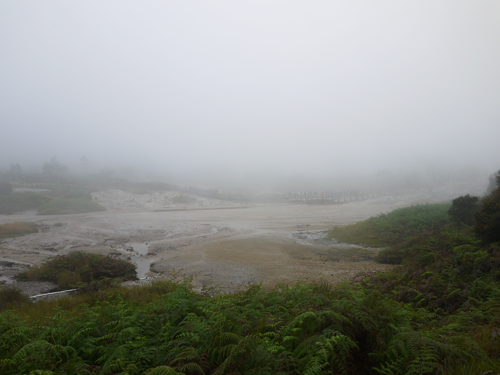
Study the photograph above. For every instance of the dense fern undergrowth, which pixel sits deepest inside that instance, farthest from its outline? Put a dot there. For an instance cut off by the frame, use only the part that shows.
(437, 313)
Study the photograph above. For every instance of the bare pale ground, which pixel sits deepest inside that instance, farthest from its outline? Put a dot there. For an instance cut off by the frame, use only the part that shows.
(219, 243)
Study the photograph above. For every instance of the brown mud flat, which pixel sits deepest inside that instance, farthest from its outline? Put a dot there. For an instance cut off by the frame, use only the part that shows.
(220, 244)
(231, 264)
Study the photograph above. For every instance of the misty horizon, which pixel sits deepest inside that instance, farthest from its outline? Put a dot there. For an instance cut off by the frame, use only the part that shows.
(228, 93)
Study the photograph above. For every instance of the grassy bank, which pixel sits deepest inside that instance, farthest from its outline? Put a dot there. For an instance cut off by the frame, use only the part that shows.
(394, 227)
(19, 202)
(69, 206)
(60, 199)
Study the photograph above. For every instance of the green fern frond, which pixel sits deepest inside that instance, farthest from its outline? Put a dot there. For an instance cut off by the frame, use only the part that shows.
(162, 370)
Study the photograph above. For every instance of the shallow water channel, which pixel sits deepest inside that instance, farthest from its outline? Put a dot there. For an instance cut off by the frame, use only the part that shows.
(138, 256)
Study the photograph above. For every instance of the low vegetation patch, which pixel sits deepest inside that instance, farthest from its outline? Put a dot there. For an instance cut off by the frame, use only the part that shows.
(166, 328)
(78, 267)
(69, 206)
(68, 191)
(394, 227)
(11, 297)
(17, 229)
(18, 202)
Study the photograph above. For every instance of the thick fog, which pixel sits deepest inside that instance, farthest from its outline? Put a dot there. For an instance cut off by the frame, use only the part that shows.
(235, 90)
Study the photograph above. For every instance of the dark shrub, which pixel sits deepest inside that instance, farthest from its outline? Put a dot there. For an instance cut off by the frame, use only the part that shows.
(390, 256)
(487, 218)
(73, 268)
(463, 208)
(10, 296)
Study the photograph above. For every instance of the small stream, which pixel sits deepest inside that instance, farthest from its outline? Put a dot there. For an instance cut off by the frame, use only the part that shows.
(140, 250)
(138, 256)
(143, 264)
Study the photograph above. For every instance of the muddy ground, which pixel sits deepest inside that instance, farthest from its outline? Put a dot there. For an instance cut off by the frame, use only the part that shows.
(221, 244)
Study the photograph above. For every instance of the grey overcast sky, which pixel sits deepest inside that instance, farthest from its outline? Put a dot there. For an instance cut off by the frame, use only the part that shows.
(312, 87)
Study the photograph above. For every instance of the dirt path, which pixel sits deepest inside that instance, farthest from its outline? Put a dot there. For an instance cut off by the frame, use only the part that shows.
(221, 244)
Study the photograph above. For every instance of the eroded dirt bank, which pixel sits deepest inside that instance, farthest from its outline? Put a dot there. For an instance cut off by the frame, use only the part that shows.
(218, 243)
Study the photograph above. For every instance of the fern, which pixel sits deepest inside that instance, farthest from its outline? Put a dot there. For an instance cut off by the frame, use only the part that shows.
(162, 370)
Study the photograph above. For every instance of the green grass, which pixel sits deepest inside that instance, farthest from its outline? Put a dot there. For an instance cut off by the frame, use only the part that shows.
(18, 202)
(394, 227)
(17, 229)
(69, 206)
(77, 267)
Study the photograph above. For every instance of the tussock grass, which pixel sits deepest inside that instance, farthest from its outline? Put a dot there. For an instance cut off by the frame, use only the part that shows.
(69, 206)
(17, 229)
(11, 297)
(78, 267)
(18, 202)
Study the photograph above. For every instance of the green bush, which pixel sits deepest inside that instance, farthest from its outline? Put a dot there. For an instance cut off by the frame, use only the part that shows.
(463, 208)
(69, 206)
(488, 218)
(69, 270)
(11, 296)
(68, 279)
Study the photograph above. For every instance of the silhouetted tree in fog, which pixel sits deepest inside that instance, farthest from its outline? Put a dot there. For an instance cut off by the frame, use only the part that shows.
(54, 168)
